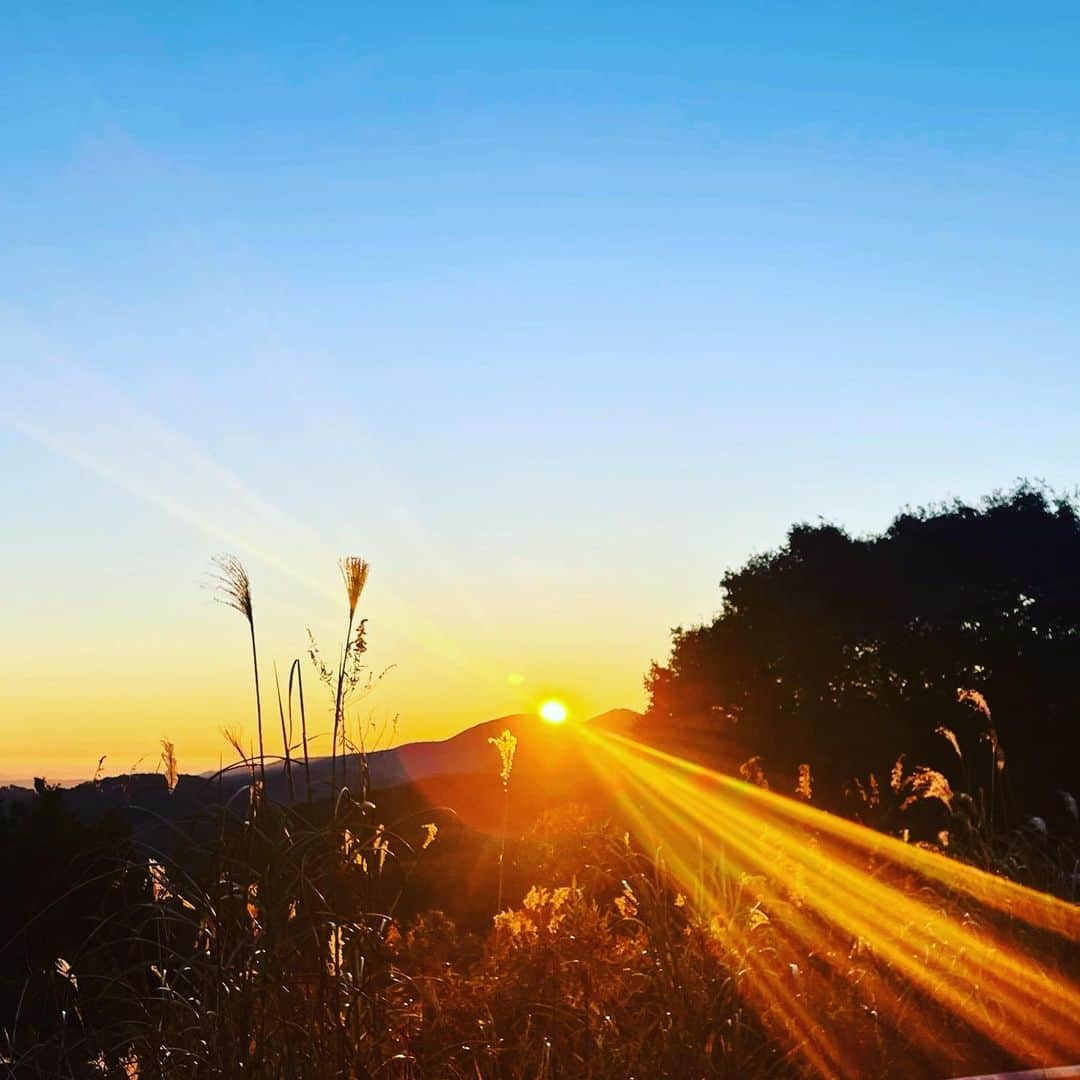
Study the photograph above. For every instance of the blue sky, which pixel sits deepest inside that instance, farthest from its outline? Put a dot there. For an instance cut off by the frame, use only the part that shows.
(553, 311)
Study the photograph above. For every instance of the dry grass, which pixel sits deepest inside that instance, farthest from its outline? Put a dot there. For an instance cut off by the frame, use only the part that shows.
(267, 944)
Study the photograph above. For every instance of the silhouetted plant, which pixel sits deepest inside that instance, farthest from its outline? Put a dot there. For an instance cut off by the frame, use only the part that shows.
(843, 652)
(506, 747)
(234, 590)
(168, 764)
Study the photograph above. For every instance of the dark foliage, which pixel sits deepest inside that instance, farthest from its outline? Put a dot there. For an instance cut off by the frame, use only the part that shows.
(845, 652)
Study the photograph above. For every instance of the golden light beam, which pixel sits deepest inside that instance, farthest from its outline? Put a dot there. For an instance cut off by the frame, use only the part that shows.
(1009, 897)
(674, 825)
(1009, 996)
(850, 893)
(675, 841)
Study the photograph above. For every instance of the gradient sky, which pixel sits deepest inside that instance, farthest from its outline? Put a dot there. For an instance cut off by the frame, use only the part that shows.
(551, 311)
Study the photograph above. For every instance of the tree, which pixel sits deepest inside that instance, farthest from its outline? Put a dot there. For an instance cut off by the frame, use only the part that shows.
(845, 652)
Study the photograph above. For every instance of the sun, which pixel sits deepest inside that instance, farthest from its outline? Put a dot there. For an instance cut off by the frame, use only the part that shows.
(554, 712)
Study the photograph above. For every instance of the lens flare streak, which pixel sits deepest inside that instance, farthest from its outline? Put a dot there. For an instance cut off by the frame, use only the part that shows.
(831, 890)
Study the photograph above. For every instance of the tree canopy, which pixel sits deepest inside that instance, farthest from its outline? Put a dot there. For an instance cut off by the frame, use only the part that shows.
(844, 652)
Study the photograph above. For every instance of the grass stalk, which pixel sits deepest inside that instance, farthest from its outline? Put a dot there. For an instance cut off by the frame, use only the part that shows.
(295, 671)
(286, 737)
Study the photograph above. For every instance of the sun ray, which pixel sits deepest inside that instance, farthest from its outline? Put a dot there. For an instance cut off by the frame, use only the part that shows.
(828, 880)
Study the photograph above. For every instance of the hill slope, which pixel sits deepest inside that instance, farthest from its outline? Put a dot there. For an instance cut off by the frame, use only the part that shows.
(461, 771)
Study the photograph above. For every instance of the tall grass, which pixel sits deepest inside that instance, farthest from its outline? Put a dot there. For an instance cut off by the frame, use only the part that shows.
(268, 945)
(295, 672)
(265, 938)
(254, 943)
(234, 590)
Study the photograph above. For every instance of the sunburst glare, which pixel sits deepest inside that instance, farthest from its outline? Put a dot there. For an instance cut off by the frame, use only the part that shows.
(822, 881)
(554, 712)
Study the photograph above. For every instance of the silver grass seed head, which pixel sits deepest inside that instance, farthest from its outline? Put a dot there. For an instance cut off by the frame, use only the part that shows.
(354, 571)
(233, 586)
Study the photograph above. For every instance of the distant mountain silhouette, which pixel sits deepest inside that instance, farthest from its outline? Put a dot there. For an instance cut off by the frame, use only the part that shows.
(460, 771)
(466, 752)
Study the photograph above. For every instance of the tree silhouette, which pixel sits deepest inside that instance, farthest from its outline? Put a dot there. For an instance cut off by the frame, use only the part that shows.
(845, 652)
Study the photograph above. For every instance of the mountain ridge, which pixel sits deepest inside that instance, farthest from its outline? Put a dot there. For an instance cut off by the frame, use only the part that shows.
(466, 751)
